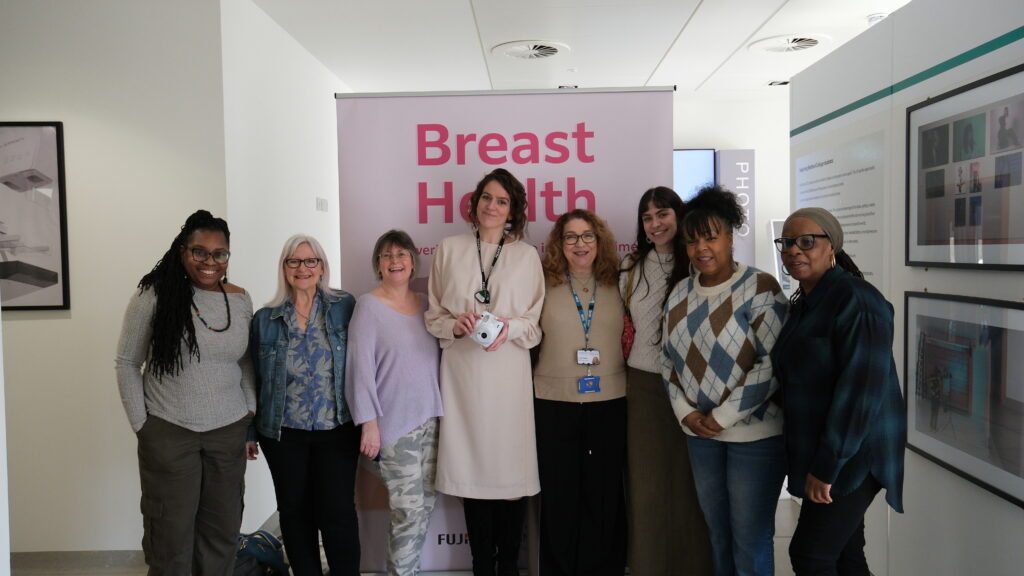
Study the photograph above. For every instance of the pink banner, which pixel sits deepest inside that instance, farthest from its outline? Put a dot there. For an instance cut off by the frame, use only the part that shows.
(411, 162)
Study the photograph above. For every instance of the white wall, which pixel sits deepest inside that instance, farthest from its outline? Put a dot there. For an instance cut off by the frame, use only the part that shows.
(5, 516)
(762, 125)
(138, 87)
(161, 117)
(280, 134)
(951, 526)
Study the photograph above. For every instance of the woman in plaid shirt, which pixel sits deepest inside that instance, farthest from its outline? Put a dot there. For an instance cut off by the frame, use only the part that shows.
(845, 422)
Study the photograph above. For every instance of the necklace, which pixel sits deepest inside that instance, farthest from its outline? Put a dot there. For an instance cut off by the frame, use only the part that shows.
(661, 263)
(584, 280)
(227, 306)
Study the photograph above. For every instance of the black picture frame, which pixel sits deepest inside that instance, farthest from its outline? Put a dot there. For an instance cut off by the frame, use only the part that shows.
(964, 150)
(964, 387)
(33, 217)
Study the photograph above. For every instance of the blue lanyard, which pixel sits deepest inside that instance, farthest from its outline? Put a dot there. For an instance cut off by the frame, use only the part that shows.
(585, 321)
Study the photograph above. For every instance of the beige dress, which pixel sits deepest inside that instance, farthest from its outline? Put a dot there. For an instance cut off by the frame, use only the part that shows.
(487, 447)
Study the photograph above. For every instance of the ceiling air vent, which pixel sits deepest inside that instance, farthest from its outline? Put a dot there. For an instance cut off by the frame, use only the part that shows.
(529, 49)
(788, 43)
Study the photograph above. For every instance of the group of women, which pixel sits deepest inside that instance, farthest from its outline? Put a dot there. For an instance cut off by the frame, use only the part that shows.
(668, 396)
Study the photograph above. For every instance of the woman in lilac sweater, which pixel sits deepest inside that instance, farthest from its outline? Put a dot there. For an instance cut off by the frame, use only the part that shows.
(393, 393)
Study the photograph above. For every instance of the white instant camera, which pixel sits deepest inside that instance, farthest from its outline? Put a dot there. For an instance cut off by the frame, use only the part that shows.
(486, 329)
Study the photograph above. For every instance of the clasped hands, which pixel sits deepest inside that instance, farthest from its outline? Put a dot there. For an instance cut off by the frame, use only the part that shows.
(703, 425)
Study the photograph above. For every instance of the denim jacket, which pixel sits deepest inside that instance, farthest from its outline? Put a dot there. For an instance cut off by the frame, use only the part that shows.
(269, 348)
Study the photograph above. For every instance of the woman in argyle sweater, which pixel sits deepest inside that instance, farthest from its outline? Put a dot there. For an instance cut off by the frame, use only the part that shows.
(720, 325)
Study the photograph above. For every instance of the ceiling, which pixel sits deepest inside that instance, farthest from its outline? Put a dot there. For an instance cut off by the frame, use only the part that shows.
(700, 46)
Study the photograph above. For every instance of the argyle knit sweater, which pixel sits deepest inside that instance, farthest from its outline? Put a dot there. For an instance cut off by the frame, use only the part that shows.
(716, 352)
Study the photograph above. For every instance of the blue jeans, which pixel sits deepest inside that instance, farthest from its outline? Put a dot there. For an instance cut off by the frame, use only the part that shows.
(738, 485)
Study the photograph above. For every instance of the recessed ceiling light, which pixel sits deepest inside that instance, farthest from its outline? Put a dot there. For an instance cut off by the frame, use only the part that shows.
(529, 49)
(789, 43)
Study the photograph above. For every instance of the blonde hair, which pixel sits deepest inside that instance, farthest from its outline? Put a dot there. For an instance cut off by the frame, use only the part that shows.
(290, 246)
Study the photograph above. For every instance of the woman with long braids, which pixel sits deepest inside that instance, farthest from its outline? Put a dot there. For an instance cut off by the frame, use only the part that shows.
(667, 536)
(187, 386)
(846, 424)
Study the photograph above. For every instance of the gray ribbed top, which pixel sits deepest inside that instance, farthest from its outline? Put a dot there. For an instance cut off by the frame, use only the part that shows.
(212, 392)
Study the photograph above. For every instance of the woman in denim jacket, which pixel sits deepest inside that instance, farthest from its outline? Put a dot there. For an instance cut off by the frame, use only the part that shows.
(302, 420)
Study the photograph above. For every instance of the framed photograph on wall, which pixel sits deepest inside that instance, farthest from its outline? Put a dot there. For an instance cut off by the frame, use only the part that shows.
(33, 217)
(964, 388)
(965, 195)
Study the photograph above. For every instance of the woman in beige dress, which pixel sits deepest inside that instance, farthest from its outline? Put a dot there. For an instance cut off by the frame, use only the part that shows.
(487, 453)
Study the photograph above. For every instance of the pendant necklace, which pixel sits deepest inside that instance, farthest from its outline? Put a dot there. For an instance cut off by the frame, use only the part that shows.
(483, 295)
(227, 306)
(661, 264)
(586, 287)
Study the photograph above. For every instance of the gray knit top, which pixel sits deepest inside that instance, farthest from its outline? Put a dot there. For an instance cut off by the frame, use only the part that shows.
(206, 394)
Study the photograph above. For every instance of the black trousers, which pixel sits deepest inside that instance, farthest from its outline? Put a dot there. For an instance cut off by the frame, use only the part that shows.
(495, 530)
(314, 478)
(581, 454)
(829, 538)
(192, 486)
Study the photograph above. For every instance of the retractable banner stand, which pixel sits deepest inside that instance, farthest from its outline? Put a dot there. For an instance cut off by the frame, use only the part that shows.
(411, 162)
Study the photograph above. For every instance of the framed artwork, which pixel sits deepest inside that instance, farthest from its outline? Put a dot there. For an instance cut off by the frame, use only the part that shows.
(33, 217)
(964, 388)
(965, 196)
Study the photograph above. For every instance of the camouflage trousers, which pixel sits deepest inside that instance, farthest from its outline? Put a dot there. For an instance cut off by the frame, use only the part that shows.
(408, 468)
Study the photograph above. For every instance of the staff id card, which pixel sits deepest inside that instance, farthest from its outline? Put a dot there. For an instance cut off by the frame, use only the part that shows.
(588, 357)
(588, 384)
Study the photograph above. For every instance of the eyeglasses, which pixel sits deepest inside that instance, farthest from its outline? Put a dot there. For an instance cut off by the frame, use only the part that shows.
(803, 242)
(202, 255)
(573, 239)
(400, 255)
(307, 262)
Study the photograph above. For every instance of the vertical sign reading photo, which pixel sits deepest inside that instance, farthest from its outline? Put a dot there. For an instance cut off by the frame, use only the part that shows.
(734, 171)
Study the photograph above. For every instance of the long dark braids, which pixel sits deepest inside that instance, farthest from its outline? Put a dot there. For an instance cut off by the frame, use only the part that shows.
(172, 318)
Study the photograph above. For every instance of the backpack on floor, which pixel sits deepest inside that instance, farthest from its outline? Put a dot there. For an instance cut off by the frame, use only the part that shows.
(259, 554)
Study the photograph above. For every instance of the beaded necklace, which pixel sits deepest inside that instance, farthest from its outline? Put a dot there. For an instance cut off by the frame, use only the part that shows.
(227, 305)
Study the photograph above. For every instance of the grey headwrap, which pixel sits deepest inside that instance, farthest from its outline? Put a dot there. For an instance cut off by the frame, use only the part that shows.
(826, 220)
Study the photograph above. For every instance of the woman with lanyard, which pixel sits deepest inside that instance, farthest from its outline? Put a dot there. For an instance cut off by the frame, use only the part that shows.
(580, 388)
(487, 453)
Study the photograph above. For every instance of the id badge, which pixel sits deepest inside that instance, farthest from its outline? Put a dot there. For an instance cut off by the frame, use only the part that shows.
(588, 357)
(589, 384)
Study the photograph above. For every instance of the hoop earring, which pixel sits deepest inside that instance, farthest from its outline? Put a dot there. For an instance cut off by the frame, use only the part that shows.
(833, 260)
(785, 270)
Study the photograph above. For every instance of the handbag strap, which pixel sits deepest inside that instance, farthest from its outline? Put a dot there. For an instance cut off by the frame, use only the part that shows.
(629, 286)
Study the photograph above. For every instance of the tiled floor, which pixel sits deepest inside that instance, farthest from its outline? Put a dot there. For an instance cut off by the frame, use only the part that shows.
(130, 563)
